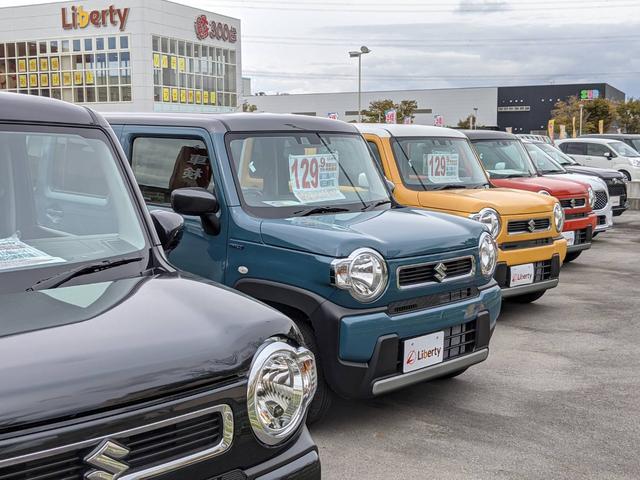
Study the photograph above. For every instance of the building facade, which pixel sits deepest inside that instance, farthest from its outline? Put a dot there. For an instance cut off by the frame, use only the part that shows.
(527, 109)
(137, 55)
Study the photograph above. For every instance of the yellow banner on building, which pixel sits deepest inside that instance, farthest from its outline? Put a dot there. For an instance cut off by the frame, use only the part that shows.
(190, 96)
(33, 64)
(551, 128)
(44, 64)
(174, 63)
(22, 65)
(55, 63)
(181, 64)
(33, 80)
(156, 60)
(77, 78)
(174, 95)
(183, 96)
(44, 79)
(166, 94)
(165, 61)
(199, 96)
(88, 77)
(66, 79)
(22, 81)
(213, 98)
(55, 79)
(205, 97)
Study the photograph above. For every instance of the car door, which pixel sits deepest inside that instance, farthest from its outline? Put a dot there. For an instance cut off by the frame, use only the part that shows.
(576, 150)
(167, 158)
(596, 155)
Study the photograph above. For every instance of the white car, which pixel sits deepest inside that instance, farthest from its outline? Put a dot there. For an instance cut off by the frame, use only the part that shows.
(548, 167)
(603, 153)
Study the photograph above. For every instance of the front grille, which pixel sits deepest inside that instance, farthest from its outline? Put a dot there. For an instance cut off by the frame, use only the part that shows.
(573, 202)
(582, 236)
(602, 219)
(528, 226)
(601, 200)
(412, 275)
(459, 340)
(539, 242)
(616, 189)
(542, 271)
(430, 301)
(147, 449)
(573, 216)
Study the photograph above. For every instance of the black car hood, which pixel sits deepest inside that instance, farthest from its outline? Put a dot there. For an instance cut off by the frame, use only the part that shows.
(604, 173)
(75, 350)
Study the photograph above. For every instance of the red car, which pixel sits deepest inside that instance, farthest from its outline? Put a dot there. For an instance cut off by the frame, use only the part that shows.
(508, 164)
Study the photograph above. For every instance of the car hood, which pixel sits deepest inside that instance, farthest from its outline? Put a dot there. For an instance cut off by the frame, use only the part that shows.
(395, 233)
(605, 173)
(97, 346)
(556, 187)
(505, 201)
(594, 182)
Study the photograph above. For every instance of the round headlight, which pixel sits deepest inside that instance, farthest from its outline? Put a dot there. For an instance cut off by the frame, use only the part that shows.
(592, 197)
(282, 382)
(558, 217)
(490, 218)
(488, 253)
(363, 273)
(544, 192)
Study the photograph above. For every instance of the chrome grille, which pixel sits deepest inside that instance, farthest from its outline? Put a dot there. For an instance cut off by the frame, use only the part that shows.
(530, 225)
(601, 200)
(435, 272)
(573, 202)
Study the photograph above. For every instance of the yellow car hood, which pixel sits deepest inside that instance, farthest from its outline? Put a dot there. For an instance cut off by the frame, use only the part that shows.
(505, 201)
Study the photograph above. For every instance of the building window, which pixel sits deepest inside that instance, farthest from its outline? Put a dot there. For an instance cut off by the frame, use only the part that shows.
(193, 73)
(81, 76)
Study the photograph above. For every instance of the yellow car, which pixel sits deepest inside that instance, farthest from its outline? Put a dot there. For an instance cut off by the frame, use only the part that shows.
(437, 168)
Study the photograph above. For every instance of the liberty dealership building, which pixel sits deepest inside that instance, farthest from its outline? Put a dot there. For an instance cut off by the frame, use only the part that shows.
(123, 55)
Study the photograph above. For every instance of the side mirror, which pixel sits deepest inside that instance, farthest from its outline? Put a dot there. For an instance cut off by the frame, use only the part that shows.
(198, 202)
(390, 185)
(608, 155)
(169, 227)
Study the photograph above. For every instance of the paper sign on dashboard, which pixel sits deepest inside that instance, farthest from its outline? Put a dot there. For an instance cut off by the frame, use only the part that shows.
(315, 178)
(441, 167)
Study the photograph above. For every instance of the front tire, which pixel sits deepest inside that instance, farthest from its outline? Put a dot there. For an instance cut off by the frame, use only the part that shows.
(626, 174)
(528, 297)
(323, 398)
(571, 256)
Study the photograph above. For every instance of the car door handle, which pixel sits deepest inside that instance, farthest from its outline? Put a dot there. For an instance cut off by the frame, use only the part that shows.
(54, 215)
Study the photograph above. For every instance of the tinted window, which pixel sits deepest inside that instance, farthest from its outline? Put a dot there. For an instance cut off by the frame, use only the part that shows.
(573, 148)
(376, 153)
(597, 150)
(163, 164)
(623, 149)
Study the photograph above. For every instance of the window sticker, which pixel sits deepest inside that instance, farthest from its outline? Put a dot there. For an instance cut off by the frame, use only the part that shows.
(441, 167)
(16, 254)
(315, 178)
(281, 203)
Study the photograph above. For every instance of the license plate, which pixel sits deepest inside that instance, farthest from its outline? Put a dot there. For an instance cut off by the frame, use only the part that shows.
(521, 275)
(615, 201)
(570, 237)
(421, 352)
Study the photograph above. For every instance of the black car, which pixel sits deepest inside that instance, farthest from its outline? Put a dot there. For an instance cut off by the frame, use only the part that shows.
(113, 365)
(631, 139)
(614, 179)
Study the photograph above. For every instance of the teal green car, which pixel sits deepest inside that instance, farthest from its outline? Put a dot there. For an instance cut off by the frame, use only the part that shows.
(294, 211)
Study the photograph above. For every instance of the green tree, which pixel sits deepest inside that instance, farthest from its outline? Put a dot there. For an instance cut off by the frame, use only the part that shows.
(249, 107)
(593, 111)
(375, 112)
(629, 116)
(466, 123)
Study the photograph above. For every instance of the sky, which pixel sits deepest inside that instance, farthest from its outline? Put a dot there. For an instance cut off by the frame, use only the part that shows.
(301, 46)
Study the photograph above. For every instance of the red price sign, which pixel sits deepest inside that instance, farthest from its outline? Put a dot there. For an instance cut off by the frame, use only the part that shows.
(442, 167)
(437, 165)
(306, 172)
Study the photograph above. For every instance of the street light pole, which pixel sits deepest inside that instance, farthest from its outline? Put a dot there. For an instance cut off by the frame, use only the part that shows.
(580, 127)
(475, 118)
(363, 50)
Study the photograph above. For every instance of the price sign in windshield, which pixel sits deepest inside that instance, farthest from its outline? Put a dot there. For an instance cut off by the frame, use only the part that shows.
(442, 167)
(315, 178)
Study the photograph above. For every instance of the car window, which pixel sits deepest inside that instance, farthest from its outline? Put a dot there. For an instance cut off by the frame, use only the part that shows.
(623, 149)
(543, 162)
(376, 153)
(597, 149)
(574, 148)
(162, 165)
(636, 144)
(557, 155)
(505, 158)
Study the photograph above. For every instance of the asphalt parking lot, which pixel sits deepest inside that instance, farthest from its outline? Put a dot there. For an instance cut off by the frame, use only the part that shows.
(559, 396)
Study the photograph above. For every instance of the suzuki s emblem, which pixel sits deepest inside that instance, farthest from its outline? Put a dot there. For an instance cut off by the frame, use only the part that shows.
(532, 225)
(106, 459)
(573, 203)
(441, 272)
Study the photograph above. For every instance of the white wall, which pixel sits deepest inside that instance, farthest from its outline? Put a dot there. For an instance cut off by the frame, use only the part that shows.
(453, 104)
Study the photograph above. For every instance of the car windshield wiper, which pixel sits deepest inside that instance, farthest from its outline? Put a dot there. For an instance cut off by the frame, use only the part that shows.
(56, 280)
(371, 206)
(449, 187)
(554, 171)
(317, 210)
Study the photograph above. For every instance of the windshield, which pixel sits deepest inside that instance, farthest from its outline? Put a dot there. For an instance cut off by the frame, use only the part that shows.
(636, 144)
(505, 158)
(558, 155)
(62, 203)
(428, 163)
(289, 174)
(623, 149)
(543, 162)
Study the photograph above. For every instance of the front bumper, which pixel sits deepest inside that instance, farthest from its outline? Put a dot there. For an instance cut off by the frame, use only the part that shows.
(363, 349)
(546, 276)
(583, 229)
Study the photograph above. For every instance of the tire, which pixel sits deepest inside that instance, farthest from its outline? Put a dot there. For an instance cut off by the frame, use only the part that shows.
(571, 256)
(453, 374)
(323, 398)
(594, 234)
(626, 174)
(528, 297)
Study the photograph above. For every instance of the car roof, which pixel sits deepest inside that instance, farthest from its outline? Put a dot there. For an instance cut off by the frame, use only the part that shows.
(489, 135)
(616, 136)
(390, 129)
(604, 141)
(21, 108)
(233, 122)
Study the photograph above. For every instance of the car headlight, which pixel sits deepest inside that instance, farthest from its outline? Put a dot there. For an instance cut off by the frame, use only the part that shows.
(488, 253)
(544, 192)
(282, 382)
(490, 218)
(635, 162)
(558, 217)
(592, 197)
(363, 273)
